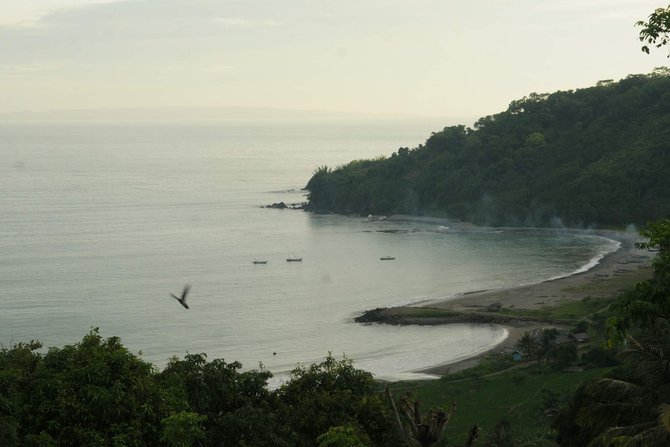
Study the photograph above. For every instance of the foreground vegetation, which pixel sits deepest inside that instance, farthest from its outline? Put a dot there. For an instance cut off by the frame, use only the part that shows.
(96, 393)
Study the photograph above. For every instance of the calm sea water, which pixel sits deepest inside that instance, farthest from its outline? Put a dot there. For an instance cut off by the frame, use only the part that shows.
(100, 223)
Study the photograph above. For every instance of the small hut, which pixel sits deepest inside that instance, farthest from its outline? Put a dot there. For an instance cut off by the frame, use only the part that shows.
(495, 307)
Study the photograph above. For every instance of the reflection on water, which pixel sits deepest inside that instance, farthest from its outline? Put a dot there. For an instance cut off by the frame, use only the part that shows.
(102, 224)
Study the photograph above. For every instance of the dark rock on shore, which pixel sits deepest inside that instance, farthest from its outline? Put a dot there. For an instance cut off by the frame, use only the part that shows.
(283, 206)
(430, 317)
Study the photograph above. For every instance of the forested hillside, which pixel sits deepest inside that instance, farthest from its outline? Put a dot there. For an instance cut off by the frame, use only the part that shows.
(593, 156)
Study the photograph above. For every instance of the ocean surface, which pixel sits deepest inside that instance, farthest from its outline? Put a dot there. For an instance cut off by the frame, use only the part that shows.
(99, 223)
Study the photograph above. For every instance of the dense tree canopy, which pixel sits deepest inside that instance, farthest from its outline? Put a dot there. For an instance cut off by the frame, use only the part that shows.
(332, 394)
(631, 407)
(93, 393)
(237, 407)
(97, 393)
(597, 155)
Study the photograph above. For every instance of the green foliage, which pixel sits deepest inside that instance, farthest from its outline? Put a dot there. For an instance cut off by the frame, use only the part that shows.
(96, 393)
(518, 394)
(530, 346)
(632, 406)
(568, 310)
(342, 436)
(422, 428)
(328, 394)
(656, 31)
(91, 393)
(236, 406)
(563, 356)
(597, 357)
(581, 326)
(490, 364)
(629, 408)
(591, 156)
(502, 435)
(183, 429)
(542, 346)
(648, 304)
(569, 433)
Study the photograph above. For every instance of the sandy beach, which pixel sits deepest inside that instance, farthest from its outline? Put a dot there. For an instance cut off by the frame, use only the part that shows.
(615, 272)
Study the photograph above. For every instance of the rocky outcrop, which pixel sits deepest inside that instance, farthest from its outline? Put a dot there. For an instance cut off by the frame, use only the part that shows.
(420, 316)
(283, 206)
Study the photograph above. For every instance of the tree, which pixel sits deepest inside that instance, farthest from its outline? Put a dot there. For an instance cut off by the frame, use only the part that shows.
(656, 31)
(632, 407)
(92, 393)
(529, 345)
(582, 156)
(632, 410)
(330, 394)
(427, 428)
(322, 190)
(236, 407)
(502, 434)
(563, 355)
(16, 366)
(541, 346)
(342, 436)
(648, 304)
(96, 393)
(424, 429)
(183, 429)
(569, 432)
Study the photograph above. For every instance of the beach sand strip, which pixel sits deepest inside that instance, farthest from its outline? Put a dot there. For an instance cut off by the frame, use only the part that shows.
(616, 272)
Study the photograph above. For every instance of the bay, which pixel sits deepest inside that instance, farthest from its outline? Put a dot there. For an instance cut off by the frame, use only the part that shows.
(100, 223)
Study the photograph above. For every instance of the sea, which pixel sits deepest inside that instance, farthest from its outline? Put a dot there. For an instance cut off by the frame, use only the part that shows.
(100, 223)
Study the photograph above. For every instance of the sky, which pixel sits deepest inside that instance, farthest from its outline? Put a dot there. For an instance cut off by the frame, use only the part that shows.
(437, 58)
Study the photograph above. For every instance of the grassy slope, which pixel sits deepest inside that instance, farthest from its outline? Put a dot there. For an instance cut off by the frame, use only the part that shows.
(516, 394)
(484, 396)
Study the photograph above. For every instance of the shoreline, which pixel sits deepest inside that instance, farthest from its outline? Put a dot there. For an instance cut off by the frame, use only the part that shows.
(514, 333)
(612, 274)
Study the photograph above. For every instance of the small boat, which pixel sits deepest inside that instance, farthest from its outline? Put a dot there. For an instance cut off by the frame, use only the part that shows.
(294, 260)
(260, 262)
(387, 258)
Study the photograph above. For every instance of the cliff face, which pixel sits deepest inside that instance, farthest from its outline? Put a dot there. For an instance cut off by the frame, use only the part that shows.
(594, 156)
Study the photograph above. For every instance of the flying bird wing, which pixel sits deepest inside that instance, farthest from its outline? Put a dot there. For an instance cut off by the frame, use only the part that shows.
(182, 300)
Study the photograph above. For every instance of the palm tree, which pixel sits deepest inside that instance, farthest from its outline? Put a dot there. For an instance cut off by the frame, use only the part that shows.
(529, 345)
(633, 410)
(424, 429)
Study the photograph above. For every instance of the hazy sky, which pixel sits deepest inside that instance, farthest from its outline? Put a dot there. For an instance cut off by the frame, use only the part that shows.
(425, 57)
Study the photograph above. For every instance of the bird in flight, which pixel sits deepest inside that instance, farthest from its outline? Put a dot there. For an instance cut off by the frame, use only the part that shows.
(182, 300)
